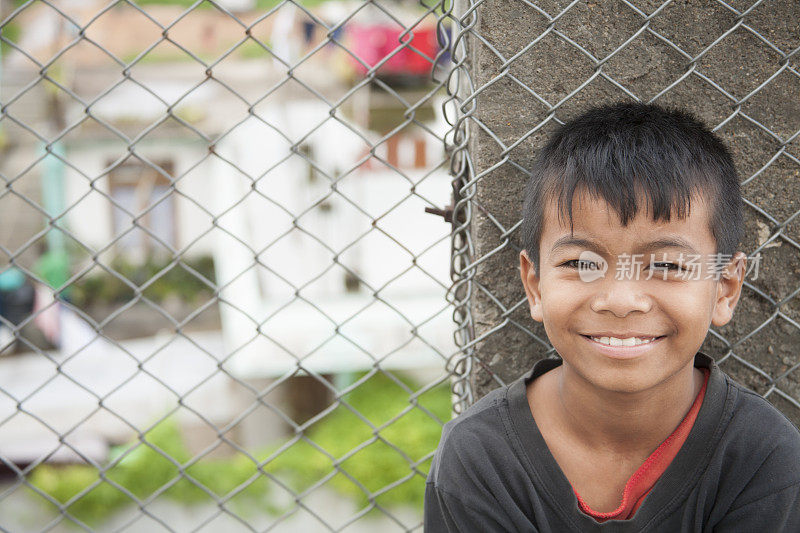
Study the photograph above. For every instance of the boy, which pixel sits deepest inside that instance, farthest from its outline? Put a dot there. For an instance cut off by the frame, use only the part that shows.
(631, 219)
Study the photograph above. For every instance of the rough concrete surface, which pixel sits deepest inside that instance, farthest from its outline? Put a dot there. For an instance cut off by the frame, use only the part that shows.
(515, 97)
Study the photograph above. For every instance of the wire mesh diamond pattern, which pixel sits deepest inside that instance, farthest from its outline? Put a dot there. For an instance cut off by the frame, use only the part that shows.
(734, 64)
(225, 301)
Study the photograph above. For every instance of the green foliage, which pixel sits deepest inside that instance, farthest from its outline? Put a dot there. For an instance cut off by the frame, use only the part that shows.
(11, 31)
(378, 464)
(96, 500)
(104, 287)
(144, 469)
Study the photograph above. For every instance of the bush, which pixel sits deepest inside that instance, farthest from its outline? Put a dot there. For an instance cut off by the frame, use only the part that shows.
(143, 469)
(106, 288)
(378, 464)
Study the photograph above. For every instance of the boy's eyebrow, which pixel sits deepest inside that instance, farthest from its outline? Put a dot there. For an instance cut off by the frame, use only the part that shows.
(668, 242)
(570, 240)
(658, 244)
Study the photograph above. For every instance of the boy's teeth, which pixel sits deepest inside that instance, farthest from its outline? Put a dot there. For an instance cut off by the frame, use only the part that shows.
(613, 341)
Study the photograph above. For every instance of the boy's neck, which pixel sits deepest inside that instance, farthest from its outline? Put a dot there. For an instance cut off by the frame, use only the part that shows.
(623, 424)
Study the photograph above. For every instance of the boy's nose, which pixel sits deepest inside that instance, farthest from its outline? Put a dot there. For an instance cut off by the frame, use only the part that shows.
(620, 297)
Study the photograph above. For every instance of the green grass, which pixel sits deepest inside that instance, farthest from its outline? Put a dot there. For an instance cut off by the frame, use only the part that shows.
(142, 470)
(378, 464)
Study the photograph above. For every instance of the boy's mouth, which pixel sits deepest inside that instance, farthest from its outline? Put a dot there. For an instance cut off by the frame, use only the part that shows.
(623, 340)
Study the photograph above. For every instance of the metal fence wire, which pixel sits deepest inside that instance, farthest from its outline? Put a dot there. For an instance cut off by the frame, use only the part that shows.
(533, 65)
(226, 284)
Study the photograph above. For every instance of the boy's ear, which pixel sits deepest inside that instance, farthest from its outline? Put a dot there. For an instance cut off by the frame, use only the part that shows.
(531, 283)
(729, 288)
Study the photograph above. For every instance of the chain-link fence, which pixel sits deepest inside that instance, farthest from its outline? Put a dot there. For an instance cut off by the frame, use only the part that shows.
(533, 65)
(226, 295)
(226, 301)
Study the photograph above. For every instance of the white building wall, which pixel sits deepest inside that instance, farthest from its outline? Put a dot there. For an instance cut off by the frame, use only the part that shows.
(284, 197)
(274, 244)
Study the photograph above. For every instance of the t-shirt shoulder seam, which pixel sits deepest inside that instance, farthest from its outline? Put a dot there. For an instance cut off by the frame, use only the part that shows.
(760, 399)
(456, 425)
(773, 493)
(439, 488)
(492, 399)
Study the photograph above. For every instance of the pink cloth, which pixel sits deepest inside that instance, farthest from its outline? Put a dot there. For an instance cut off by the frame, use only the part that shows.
(47, 319)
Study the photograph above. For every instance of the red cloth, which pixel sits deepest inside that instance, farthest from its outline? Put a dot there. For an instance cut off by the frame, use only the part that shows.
(640, 483)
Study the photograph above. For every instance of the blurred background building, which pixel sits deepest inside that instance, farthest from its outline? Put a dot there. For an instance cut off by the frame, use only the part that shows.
(200, 205)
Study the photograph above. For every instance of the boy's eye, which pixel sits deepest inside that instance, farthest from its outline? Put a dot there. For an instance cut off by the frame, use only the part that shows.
(661, 265)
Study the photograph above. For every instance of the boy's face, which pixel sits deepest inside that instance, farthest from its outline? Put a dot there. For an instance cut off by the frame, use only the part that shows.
(638, 296)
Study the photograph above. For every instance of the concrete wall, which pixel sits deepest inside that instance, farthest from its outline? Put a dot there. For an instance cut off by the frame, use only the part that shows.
(555, 77)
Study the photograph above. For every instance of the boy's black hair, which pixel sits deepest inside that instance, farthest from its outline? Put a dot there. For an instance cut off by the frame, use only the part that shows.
(627, 151)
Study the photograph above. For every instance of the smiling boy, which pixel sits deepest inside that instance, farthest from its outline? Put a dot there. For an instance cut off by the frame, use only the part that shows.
(631, 220)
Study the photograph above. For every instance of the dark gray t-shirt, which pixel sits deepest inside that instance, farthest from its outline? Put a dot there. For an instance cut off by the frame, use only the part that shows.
(738, 470)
